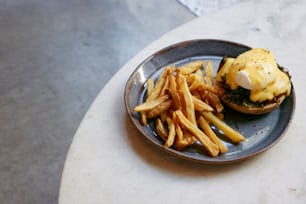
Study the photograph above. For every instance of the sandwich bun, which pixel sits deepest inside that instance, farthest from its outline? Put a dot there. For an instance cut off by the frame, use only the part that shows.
(254, 110)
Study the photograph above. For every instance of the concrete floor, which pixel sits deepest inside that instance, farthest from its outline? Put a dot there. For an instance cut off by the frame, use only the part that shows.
(55, 57)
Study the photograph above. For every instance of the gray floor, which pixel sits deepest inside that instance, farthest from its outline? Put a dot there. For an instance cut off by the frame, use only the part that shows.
(55, 57)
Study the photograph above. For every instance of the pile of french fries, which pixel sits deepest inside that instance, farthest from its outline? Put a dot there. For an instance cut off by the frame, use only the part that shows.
(184, 102)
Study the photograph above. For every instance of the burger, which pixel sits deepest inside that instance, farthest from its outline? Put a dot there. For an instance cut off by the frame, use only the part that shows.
(253, 83)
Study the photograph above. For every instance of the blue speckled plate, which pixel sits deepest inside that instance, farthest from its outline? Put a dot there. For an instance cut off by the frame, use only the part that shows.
(261, 132)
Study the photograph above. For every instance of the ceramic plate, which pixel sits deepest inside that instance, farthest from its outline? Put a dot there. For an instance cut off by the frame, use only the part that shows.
(261, 132)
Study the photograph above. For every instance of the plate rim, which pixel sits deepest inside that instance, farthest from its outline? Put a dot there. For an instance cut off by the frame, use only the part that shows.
(180, 154)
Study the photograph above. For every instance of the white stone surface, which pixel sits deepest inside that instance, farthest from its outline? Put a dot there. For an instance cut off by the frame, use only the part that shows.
(203, 7)
(110, 162)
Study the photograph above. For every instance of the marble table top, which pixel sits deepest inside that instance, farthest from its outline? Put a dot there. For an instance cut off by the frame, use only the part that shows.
(111, 162)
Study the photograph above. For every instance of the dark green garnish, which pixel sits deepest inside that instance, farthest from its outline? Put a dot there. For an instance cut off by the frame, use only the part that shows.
(240, 96)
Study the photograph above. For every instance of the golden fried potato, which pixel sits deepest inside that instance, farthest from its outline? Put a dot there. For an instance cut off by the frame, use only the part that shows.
(187, 97)
(151, 104)
(191, 67)
(200, 105)
(161, 130)
(227, 130)
(160, 83)
(171, 134)
(211, 134)
(162, 107)
(210, 147)
(183, 102)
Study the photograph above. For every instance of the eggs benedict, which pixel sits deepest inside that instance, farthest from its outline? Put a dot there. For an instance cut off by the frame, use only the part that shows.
(252, 82)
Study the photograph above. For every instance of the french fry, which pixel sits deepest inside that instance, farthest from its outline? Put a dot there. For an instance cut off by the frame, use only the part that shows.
(209, 74)
(162, 107)
(211, 134)
(210, 147)
(200, 105)
(183, 138)
(215, 102)
(174, 93)
(183, 102)
(163, 116)
(150, 104)
(179, 80)
(165, 87)
(199, 74)
(213, 89)
(171, 135)
(159, 83)
(161, 130)
(207, 81)
(143, 118)
(227, 130)
(189, 107)
(179, 142)
(191, 67)
(220, 115)
(195, 82)
(196, 93)
(188, 137)
(150, 87)
(186, 105)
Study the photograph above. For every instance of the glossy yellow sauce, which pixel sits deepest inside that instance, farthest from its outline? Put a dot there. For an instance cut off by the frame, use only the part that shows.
(262, 72)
